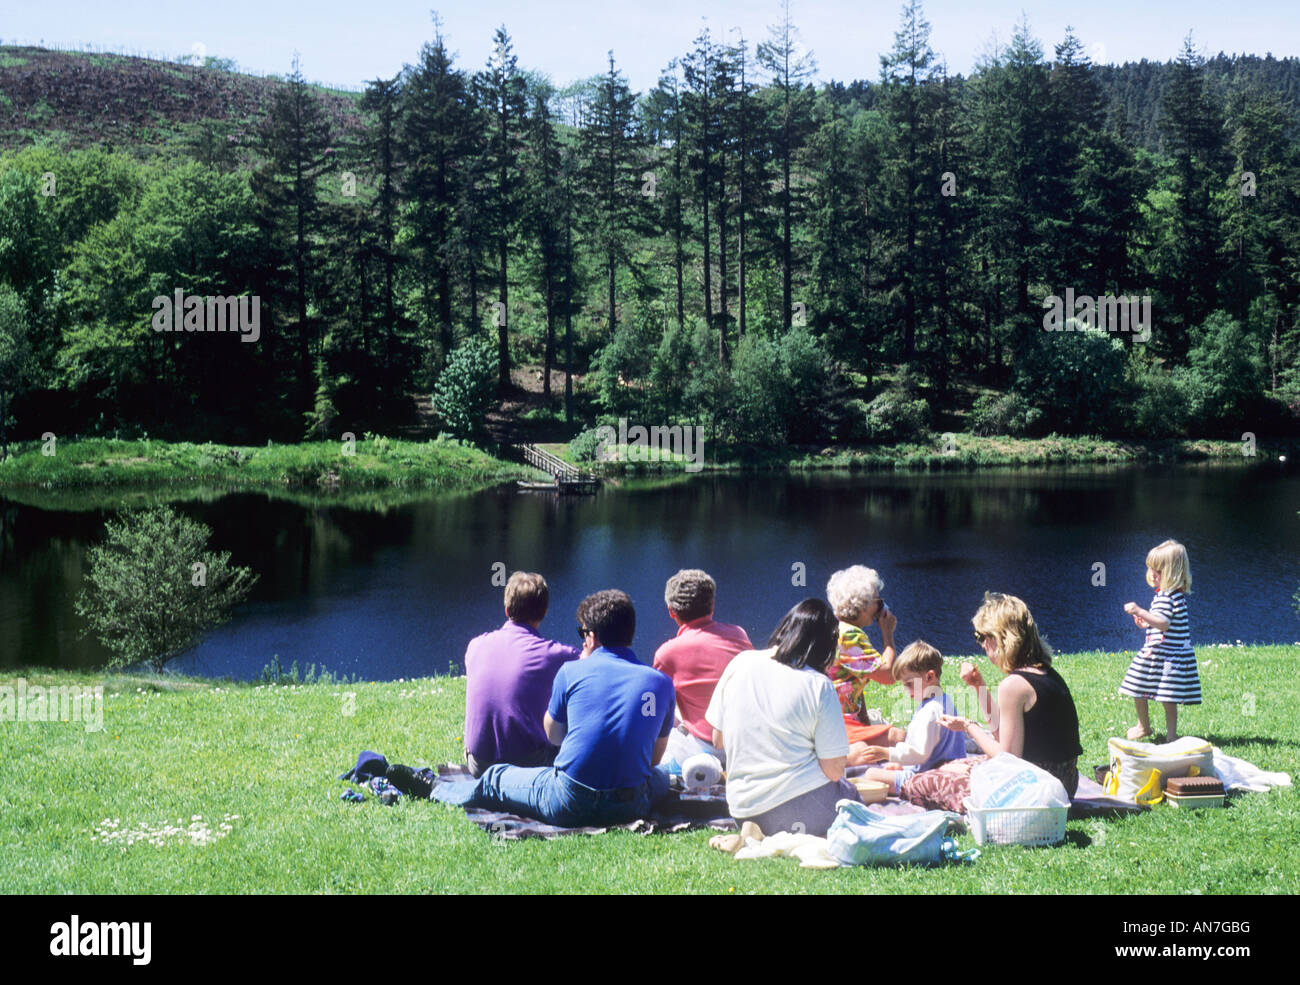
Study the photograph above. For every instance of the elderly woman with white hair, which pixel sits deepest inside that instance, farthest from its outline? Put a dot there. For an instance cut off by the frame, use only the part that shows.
(855, 595)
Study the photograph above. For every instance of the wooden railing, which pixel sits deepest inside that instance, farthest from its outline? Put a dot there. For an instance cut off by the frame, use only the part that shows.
(560, 470)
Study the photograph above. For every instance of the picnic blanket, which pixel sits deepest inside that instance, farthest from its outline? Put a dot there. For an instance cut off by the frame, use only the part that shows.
(1090, 800)
(679, 811)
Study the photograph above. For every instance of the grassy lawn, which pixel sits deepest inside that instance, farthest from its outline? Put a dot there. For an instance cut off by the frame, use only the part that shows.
(262, 760)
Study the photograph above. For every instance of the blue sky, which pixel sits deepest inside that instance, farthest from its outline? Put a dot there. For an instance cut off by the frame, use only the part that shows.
(345, 42)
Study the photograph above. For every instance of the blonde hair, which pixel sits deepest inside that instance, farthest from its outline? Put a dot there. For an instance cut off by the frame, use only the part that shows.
(850, 591)
(917, 658)
(1007, 619)
(1169, 561)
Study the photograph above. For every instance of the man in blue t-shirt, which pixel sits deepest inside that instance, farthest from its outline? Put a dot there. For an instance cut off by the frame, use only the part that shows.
(609, 714)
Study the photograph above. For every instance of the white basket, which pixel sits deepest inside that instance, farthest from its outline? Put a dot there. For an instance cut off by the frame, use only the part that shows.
(1016, 825)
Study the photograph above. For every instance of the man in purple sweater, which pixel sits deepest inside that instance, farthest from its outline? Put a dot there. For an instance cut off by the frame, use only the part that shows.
(509, 673)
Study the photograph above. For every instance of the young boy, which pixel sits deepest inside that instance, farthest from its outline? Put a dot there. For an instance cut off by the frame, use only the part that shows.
(928, 743)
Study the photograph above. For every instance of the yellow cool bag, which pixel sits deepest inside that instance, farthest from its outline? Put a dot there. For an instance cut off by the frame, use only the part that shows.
(1138, 771)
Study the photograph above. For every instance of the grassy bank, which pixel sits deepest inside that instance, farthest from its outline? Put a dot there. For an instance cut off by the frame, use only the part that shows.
(953, 452)
(323, 469)
(262, 761)
(319, 464)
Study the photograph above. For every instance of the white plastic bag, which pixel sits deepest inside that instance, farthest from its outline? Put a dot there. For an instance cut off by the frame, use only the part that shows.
(1008, 781)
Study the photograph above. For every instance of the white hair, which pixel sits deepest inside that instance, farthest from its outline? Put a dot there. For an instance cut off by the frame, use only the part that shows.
(850, 591)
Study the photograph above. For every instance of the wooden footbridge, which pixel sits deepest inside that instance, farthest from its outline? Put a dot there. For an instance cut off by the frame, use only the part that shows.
(565, 478)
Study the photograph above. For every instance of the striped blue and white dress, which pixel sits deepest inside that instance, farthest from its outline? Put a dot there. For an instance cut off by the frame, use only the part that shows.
(1165, 668)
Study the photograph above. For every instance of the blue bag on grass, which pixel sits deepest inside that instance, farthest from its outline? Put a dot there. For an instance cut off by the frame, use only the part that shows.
(859, 836)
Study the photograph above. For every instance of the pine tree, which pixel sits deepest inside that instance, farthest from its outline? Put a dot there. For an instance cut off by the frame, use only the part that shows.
(438, 144)
(1191, 125)
(612, 153)
(724, 106)
(1010, 137)
(382, 153)
(666, 126)
(947, 238)
(1259, 201)
(912, 188)
(545, 216)
(839, 229)
(501, 95)
(297, 148)
(754, 139)
(791, 68)
(700, 103)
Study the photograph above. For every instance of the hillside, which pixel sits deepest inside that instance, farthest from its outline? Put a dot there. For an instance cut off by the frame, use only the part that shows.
(125, 102)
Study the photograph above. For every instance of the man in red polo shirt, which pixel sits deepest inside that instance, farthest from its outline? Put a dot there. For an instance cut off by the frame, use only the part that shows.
(695, 659)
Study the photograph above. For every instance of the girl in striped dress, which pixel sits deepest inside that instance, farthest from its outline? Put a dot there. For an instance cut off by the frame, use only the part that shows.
(1165, 668)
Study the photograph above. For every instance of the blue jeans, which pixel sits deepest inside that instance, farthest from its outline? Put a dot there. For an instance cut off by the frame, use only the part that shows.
(549, 795)
(683, 745)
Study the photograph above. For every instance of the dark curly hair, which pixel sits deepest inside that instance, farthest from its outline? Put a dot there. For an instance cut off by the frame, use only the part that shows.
(807, 636)
(610, 615)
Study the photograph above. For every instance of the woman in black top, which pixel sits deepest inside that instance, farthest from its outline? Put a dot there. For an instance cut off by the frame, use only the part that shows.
(1036, 718)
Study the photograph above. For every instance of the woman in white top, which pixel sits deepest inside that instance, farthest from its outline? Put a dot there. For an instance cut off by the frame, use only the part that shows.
(777, 715)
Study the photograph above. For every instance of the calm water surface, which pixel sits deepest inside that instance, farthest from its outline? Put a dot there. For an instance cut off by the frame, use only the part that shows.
(398, 593)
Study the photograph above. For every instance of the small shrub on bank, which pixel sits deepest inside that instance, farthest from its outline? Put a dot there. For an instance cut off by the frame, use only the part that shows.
(900, 412)
(585, 447)
(1075, 377)
(1164, 402)
(1007, 414)
(466, 388)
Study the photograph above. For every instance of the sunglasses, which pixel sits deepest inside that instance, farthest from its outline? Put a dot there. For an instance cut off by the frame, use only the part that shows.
(582, 633)
(981, 637)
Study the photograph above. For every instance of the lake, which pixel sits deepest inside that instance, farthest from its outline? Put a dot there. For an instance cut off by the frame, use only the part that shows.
(399, 591)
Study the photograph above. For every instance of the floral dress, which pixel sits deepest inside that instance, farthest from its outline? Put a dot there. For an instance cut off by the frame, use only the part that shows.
(856, 663)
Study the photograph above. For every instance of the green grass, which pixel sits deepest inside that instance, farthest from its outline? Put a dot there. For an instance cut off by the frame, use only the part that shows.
(375, 464)
(264, 760)
(963, 452)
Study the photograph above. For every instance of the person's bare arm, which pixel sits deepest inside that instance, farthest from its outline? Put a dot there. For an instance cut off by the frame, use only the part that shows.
(555, 731)
(1153, 619)
(861, 754)
(887, 622)
(1010, 734)
(834, 768)
(972, 676)
(1011, 714)
(717, 739)
(661, 745)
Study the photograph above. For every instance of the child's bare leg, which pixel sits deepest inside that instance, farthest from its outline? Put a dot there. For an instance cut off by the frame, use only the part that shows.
(1171, 721)
(1143, 728)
